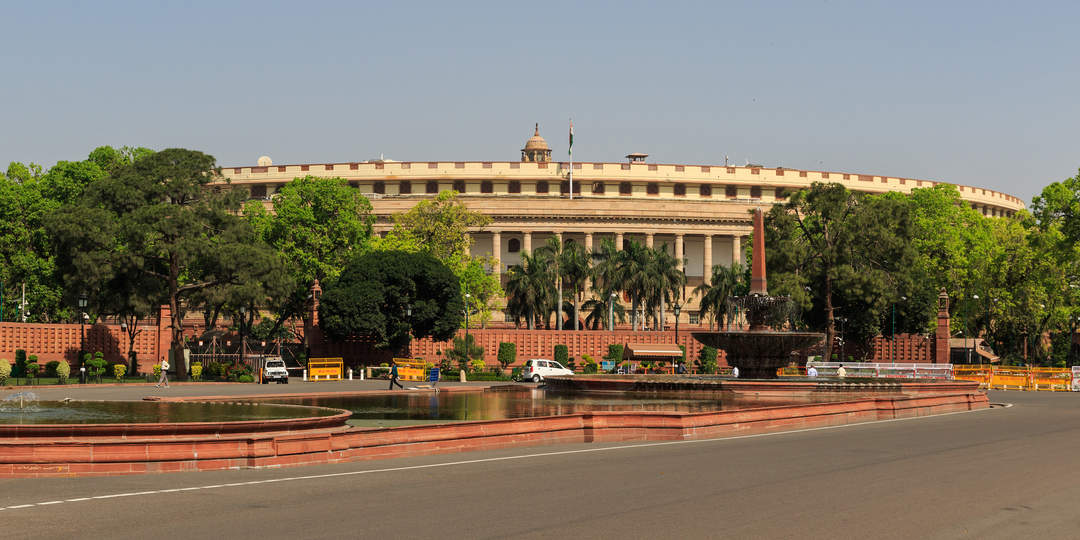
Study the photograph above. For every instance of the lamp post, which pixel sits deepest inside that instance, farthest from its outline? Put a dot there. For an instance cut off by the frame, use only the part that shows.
(243, 342)
(611, 312)
(82, 324)
(678, 309)
(894, 329)
(467, 297)
(842, 340)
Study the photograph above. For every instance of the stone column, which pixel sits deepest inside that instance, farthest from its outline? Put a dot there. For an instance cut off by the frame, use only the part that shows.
(649, 240)
(496, 252)
(679, 250)
(588, 252)
(618, 241)
(558, 235)
(526, 242)
(736, 249)
(707, 266)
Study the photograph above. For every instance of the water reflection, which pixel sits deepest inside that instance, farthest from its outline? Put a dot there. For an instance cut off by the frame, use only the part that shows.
(416, 408)
(142, 412)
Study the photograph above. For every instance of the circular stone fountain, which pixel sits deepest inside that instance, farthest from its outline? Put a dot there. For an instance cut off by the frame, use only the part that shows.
(765, 347)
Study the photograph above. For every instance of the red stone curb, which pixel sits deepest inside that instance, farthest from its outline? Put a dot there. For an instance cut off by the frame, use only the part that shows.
(90, 456)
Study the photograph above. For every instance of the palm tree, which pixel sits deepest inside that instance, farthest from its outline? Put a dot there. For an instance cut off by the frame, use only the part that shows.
(669, 280)
(598, 309)
(575, 271)
(725, 283)
(636, 279)
(553, 251)
(528, 289)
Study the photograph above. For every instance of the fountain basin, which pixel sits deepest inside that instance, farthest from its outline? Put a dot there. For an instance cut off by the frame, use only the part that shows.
(759, 353)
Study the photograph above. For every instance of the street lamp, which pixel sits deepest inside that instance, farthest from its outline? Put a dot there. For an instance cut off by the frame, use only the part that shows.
(904, 298)
(467, 297)
(611, 312)
(82, 323)
(243, 342)
(678, 309)
(842, 341)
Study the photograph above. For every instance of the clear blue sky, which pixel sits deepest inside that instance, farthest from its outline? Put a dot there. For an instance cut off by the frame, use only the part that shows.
(981, 93)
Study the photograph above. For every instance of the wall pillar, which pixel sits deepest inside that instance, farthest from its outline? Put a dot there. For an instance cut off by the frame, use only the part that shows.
(649, 240)
(588, 251)
(707, 265)
(526, 242)
(618, 241)
(736, 250)
(679, 250)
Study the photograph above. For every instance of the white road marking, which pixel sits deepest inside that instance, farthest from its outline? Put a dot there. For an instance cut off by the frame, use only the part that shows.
(488, 460)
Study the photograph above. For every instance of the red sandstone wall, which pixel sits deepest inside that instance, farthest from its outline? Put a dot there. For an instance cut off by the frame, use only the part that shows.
(61, 341)
(530, 344)
(908, 348)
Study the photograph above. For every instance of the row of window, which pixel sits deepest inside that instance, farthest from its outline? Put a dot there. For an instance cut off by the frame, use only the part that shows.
(598, 188)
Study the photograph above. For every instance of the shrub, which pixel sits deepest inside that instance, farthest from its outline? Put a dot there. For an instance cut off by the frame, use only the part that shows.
(20, 364)
(214, 371)
(615, 354)
(50, 368)
(5, 371)
(63, 371)
(95, 367)
(707, 363)
(196, 371)
(237, 373)
(507, 354)
(157, 371)
(118, 371)
(477, 365)
(562, 353)
(515, 374)
(245, 378)
(32, 369)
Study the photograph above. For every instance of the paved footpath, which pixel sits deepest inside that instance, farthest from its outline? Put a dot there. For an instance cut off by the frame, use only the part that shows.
(998, 473)
(137, 391)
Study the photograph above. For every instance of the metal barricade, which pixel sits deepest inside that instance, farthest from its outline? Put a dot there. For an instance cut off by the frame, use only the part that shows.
(411, 370)
(325, 369)
(1011, 378)
(1052, 379)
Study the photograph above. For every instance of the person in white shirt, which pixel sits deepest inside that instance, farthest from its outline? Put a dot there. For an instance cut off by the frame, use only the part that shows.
(735, 372)
(164, 375)
(811, 372)
(841, 372)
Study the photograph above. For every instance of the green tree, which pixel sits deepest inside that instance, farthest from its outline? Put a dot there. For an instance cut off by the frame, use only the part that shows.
(576, 268)
(317, 226)
(375, 293)
(465, 352)
(528, 290)
(507, 354)
(158, 217)
(724, 283)
(554, 252)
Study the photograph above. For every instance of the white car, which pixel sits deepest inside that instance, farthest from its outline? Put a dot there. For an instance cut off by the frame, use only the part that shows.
(274, 370)
(538, 368)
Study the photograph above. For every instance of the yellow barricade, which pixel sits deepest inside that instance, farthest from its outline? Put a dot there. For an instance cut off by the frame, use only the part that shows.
(979, 374)
(1052, 379)
(325, 369)
(410, 369)
(1011, 378)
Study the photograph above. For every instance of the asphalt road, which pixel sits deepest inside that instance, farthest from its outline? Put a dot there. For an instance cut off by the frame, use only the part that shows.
(1000, 473)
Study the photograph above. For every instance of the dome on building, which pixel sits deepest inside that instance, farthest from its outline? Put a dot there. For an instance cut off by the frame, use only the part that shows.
(536, 142)
(265, 161)
(536, 148)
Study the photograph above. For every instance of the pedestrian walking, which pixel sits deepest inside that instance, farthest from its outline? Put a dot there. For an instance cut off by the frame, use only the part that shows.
(394, 376)
(812, 372)
(735, 372)
(841, 372)
(164, 375)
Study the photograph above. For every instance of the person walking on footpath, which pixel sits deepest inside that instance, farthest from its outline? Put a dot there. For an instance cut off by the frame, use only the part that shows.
(164, 375)
(812, 372)
(394, 376)
(841, 372)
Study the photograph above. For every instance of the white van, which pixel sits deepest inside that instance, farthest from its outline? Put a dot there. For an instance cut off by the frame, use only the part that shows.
(538, 368)
(274, 370)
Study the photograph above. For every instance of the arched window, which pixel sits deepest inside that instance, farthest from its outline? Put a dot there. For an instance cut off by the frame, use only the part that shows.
(541, 187)
(705, 190)
(755, 192)
(652, 189)
(625, 188)
(598, 188)
(680, 190)
(485, 186)
(379, 187)
(514, 187)
(514, 245)
(405, 188)
(459, 186)
(432, 187)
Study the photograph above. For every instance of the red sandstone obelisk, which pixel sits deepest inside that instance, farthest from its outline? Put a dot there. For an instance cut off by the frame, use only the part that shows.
(758, 283)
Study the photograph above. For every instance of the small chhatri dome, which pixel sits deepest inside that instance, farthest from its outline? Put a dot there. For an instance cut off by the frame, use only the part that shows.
(536, 148)
(265, 161)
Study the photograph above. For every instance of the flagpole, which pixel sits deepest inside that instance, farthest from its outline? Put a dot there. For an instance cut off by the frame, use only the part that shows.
(570, 151)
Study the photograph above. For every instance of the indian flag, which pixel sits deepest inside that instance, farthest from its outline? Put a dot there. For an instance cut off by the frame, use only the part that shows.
(570, 151)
